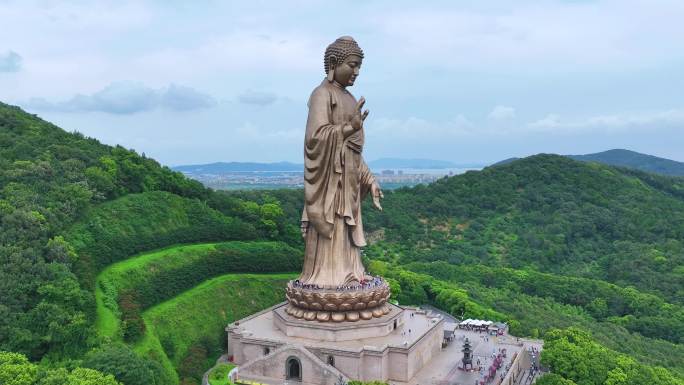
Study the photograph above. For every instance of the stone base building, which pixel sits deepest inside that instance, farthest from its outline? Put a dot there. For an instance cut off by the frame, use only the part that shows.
(273, 347)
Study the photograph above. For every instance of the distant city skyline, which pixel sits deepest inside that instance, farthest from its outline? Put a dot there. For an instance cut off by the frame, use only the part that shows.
(467, 82)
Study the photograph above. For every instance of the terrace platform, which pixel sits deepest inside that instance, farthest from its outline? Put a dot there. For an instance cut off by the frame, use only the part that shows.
(267, 346)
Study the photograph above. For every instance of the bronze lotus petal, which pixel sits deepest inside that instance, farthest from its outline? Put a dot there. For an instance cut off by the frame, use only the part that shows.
(366, 297)
(336, 299)
(308, 297)
(352, 316)
(346, 297)
(366, 315)
(317, 297)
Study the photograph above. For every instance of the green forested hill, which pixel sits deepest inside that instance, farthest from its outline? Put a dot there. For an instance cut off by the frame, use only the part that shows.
(48, 179)
(70, 206)
(547, 213)
(627, 159)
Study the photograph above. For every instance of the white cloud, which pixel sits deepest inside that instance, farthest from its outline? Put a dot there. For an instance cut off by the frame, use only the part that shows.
(418, 128)
(129, 98)
(245, 51)
(181, 98)
(258, 98)
(502, 113)
(647, 120)
(10, 61)
(548, 121)
(624, 33)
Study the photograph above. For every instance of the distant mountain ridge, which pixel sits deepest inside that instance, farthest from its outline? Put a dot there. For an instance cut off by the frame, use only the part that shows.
(626, 158)
(382, 163)
(417, 163)
(223, 167)
(632, 159)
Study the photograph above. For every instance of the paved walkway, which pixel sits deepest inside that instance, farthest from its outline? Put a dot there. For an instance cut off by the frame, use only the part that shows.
(448, 317)
(444, 368)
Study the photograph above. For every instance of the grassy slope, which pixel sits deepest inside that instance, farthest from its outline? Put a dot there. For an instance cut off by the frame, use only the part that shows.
(116, 276)
(199, 315)
(161, 274)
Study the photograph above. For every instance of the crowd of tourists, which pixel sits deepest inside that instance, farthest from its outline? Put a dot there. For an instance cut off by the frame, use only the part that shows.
(356, 286)
(296, 283)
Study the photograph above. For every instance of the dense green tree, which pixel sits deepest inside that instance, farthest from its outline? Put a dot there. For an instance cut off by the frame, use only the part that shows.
(15, 369)
(120, 361)
(78, 376)
(553, 379)
(574, 355)
(48, 179)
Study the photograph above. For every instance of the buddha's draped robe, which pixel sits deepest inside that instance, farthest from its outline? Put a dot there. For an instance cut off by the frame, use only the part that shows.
(336, 179)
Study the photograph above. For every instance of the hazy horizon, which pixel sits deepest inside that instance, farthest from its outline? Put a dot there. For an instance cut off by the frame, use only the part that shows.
(370, 161)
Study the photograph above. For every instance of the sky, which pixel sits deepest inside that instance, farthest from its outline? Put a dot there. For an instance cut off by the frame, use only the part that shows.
(189, 82)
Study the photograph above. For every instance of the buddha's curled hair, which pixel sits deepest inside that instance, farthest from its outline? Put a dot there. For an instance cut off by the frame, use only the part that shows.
(341, 49)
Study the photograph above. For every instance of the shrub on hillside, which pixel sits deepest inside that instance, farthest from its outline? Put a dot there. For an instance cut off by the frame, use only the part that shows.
(194, 364)
(572, 354)
(124, 364)
(133, 326)
(15, 369)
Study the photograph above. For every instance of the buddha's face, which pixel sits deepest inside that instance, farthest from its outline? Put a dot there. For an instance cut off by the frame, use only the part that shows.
(348, 70)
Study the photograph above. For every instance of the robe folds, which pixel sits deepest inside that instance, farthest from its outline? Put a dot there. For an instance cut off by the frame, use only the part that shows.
(336, 179)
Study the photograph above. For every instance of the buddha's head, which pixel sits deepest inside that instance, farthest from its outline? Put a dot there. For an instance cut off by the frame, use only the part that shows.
(343, 60)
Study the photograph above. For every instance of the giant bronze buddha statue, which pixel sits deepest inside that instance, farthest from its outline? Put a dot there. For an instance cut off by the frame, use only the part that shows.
(333, 285)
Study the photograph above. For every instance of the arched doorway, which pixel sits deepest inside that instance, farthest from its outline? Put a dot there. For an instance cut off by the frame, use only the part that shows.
(293, 369)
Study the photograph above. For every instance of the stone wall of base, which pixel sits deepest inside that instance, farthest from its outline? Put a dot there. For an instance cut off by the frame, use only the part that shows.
(312, 371)
(520, 363)
(383, 363)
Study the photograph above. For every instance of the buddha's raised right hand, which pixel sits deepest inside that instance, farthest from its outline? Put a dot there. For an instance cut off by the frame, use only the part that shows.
(359, 117)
